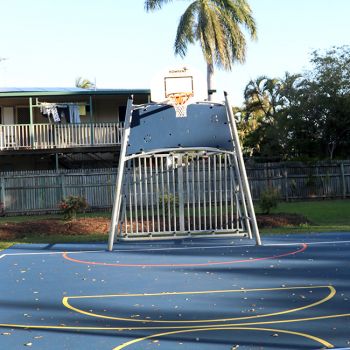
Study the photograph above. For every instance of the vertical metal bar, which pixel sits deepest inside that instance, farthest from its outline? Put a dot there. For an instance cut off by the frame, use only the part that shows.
(163, 189)
(204, 195)
(146, 193)
(123, 215)
(199, 194)
(193, 196)
(174, 192)
(157, 194)
(31, 121)
(92, 122)
(241, 194)
(168, 186)
(220, 190)
(188, 192)
(135, 196)
(141, 194)
(209, 193)
(232, 193)
(180, 182)
(225, 189)
(120, 175)
(243, 173)
(215, 194)
(129, 189)
(152, 192)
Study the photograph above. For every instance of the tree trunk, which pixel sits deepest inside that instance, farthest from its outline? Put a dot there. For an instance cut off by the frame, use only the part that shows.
(210, 81)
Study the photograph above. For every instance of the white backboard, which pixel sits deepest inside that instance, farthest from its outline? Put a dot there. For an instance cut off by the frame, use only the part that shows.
(179, 80)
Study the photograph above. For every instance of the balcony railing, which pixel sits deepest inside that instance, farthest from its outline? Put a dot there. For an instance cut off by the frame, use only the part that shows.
(46, 136)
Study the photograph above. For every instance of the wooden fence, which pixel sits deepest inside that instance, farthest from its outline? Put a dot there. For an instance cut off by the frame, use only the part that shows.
(296, 181)
(40, 191)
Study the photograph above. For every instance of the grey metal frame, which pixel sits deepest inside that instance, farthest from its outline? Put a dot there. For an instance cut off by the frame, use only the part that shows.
(182, 191)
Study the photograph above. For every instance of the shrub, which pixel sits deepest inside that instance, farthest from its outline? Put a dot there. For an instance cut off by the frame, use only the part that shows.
(71, 205)
(169, 201)
(269, 200)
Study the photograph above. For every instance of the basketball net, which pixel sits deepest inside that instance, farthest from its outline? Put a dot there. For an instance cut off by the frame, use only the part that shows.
(179, 101)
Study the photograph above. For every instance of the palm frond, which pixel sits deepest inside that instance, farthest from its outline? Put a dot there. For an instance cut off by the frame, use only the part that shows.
(185, 32)
(151, 5)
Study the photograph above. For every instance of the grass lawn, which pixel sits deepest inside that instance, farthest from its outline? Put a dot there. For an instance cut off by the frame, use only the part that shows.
(324, 216)
(327, 215)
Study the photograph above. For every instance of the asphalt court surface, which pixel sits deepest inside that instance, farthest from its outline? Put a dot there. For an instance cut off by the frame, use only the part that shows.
(222, 293)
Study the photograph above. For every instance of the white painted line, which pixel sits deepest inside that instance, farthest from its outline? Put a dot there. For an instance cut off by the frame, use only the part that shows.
(178, 248)
(53, 253)
(2, 256)
(308, 243)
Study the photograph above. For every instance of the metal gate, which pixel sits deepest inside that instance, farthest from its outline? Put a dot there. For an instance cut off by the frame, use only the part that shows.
(181, 194)
(181, 177)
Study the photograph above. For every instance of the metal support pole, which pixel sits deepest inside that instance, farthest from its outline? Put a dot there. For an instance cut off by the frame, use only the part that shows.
(242, 169)
(31, 121)
(92, 133)
(120, 174)
(242, 196)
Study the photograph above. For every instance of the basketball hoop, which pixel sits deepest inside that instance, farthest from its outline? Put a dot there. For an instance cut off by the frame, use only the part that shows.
(179, 101)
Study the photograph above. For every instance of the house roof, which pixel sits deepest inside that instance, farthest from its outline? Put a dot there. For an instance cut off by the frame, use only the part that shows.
(59, 91)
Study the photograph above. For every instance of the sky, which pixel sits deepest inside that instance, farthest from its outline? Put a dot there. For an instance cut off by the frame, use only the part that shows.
(49, 43)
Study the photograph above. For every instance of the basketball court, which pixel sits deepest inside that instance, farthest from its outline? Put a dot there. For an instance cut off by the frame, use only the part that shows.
(222, 293)
(210, 283)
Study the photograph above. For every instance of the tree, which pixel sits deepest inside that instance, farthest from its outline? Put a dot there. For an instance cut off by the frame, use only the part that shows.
(217, 26)
(84, 83)
(301, 117)
(331, 81)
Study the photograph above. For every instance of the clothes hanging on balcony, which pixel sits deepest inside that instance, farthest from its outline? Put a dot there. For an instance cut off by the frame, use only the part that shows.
(64, 114)
(50, 110)
(74, 114)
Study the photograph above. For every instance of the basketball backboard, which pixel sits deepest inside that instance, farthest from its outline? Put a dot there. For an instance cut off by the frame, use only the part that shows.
(183, 82)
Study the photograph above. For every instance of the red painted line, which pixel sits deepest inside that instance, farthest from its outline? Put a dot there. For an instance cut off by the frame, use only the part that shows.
(303, 248)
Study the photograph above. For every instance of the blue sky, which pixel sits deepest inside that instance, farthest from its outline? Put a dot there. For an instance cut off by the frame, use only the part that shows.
(51, 42)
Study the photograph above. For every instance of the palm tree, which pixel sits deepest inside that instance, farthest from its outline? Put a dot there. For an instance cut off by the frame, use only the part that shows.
(84, 83)
(217, 26)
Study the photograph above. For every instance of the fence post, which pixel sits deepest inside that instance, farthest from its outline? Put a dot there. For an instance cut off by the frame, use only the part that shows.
(3, 196)
(63, 185)
(343, 179)
(285, 173)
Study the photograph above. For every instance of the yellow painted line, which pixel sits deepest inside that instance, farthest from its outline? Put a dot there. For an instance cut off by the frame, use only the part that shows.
(304, 335)
(193, 292)
(66, 303)
(223, 326)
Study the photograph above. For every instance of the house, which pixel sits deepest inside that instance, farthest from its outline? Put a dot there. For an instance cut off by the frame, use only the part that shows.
(53, 128)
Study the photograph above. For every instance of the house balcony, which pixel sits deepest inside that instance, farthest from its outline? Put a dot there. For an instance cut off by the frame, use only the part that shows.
(59, 136)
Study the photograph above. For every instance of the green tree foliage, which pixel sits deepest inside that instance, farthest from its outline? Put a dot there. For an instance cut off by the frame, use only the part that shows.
(301, 116)
(219, 28)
